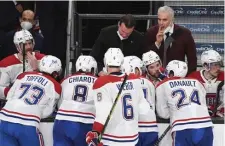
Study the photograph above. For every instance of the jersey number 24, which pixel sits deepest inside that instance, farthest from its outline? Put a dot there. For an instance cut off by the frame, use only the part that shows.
(186, 99)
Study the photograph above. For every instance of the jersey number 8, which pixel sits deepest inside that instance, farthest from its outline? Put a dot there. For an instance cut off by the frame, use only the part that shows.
(80, 93)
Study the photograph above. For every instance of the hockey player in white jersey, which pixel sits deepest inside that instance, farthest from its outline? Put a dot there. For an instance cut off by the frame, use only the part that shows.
(76, 113)
(211, 75)
(32, 97)
(148, 131)
(183, 101)
(122, 128)
(12, 66)
(153, 66)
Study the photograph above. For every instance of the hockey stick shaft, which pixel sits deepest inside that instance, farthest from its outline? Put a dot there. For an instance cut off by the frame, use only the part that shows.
(23, 51)
(219, 87)
(113, 106)
(24, 57)
(162, 136)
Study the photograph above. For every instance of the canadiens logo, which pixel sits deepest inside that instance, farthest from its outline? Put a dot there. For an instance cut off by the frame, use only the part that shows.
(99, 96)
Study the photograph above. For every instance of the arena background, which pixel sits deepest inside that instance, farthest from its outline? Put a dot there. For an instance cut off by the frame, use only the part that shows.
(205, 19)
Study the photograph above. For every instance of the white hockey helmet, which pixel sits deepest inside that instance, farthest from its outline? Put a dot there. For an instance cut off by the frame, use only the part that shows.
(131, 63)
(113, 57)
(22, 36)
(179, 68)
(50, 64)
(150, 57)
(86, 63)
(210, 56)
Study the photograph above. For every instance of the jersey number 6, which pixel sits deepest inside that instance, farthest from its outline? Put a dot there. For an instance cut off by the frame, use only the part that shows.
(185, 99)
(128, 113)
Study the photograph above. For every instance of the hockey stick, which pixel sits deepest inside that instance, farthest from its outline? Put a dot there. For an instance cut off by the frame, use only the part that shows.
(219, 87)
(162, 136)
(23, 51)
(113, 106)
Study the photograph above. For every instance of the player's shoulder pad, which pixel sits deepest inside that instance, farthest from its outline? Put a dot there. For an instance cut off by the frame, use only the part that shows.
(38, 55)
(22, 75)
(197, 80)
(10, 60)
(143, 77)
(57, 86)
(165, 80)
(133, 76)
(195, 74)
(101, 81)
(221, 76)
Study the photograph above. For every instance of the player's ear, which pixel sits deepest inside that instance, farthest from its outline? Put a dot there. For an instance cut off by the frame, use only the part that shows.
(92, 71)
(206, 66)
(171, 74)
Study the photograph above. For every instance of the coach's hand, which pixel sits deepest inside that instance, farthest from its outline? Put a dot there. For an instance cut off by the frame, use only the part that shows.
(92, 139)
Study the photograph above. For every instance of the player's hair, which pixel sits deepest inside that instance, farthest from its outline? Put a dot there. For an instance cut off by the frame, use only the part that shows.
(92, 71)
(114, 66)
(167, 9)
(128, 20)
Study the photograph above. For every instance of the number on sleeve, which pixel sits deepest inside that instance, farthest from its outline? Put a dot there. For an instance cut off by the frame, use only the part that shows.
(128, 113)
(184, 99)
(37, 93)
(80, 93)
(145, 92)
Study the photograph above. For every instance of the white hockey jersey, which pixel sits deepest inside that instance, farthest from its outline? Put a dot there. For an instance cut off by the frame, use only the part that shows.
(32, 97)
(10, 68)
(183, 101)
(210, 86)
(122, 129)
(147, 123)
(76, 103)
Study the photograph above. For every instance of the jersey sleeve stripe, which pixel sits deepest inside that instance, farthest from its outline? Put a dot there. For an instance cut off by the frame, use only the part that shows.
(19, 117)
(120, 138)
(20, 114)
(191, 121)
(75, 112)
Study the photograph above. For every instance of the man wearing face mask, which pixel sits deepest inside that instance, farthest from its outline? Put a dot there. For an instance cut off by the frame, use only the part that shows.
(27, 22)
(171, 41)
(121, 36)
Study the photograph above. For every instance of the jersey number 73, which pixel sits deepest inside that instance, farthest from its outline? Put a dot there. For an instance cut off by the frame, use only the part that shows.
(37, 93)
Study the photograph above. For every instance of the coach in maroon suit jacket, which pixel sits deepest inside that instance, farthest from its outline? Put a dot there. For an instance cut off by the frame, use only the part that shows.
(181, 44)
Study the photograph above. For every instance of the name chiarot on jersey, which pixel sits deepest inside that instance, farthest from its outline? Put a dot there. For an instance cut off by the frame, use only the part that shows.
(82, 79)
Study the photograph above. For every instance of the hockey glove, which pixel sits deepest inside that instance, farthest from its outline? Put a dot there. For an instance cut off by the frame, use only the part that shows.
(92, 139)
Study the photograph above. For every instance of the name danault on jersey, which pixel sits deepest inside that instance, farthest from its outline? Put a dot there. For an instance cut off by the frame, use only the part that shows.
(181, 83)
